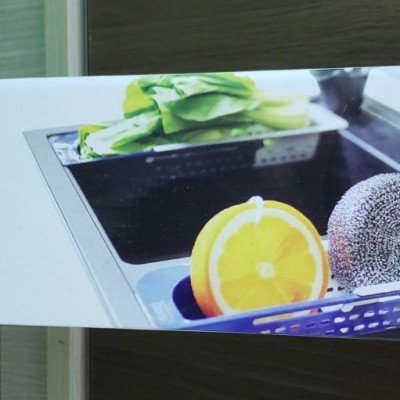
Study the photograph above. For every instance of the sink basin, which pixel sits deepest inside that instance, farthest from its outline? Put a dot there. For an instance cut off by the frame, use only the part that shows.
(152, 208)
(135, 215)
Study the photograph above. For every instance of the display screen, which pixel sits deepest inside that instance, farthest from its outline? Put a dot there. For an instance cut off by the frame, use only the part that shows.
(264, 201)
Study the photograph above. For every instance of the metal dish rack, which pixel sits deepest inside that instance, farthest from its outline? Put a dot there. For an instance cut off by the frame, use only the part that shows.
(168, 302)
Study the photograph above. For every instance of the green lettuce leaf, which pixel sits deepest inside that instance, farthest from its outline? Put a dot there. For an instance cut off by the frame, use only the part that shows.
(191, 108)
(109, 141)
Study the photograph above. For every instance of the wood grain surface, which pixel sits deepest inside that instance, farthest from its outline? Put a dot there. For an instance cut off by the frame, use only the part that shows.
(185, 365)
(156, 36)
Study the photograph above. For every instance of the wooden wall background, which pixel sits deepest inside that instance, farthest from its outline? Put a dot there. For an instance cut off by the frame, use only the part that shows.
(135, 36)
(209, 366)
(157, 36)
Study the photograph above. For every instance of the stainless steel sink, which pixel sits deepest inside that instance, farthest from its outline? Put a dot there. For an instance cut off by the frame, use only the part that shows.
(135, 214)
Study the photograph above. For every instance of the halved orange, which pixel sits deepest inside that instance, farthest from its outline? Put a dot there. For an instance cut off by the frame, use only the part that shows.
(255, 255)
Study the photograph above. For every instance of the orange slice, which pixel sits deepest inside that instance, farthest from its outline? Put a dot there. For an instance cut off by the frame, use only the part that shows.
(255, 255)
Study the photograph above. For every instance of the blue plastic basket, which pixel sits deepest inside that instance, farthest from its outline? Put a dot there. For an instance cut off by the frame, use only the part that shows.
(167, 299)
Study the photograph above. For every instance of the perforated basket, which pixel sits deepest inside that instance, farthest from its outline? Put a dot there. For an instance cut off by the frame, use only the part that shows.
(166, 297)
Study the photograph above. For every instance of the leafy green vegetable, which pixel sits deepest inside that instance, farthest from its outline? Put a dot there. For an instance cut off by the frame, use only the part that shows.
(209, 135)
(191, 108)
(211, 106)
(288, 116)
(229, 84)
(111, 140)
(136, 101)
(86, 130)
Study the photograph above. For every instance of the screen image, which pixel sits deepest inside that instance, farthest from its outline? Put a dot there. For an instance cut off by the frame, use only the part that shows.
(254, 202)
